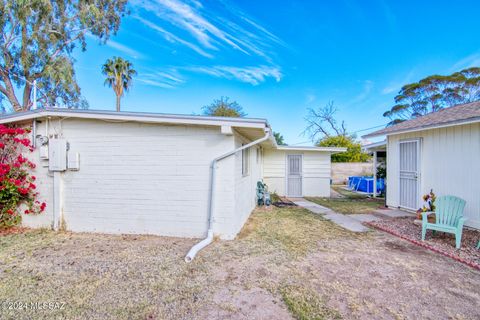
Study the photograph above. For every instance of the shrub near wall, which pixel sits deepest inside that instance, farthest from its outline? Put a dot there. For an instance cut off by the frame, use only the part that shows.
(17, 187)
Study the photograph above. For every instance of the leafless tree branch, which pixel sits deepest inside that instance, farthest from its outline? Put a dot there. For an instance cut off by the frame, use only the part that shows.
(321, 122)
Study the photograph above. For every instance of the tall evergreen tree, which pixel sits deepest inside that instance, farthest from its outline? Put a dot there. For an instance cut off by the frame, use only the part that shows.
(434, 93)
(37, 40)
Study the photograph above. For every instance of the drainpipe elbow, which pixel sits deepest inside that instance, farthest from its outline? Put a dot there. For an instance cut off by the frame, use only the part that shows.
(199, 246)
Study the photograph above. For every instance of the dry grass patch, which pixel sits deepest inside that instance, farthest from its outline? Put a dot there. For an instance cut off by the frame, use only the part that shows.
(100, 276)
(106, 276)
(306, 304)
(294, 230)
(286, 262)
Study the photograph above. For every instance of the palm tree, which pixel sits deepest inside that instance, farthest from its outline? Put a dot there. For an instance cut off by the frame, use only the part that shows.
(119, 73)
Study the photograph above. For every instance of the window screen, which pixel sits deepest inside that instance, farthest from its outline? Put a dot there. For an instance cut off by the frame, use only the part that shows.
(245, 161)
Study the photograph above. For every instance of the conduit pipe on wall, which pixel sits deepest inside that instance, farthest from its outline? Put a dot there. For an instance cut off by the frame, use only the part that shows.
(205, 242)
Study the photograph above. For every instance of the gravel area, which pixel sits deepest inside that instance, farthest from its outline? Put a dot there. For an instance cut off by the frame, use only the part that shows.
(286, 264)
(13, 230)
(442, 242)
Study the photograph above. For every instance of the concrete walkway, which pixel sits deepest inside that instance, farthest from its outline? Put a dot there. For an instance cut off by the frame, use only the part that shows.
(342, 220)
(394, 213)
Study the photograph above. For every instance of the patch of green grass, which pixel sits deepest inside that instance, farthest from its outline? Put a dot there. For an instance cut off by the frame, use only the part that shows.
(305, 304)
(349, 194)
(351, 203)
(349, 206)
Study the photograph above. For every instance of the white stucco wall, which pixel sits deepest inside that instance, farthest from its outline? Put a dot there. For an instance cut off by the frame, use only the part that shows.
(139, 178)
(450, 160)
(316, 172)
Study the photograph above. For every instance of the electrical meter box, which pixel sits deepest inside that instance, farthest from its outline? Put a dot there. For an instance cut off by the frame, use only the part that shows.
(44, 152)
(57, 155)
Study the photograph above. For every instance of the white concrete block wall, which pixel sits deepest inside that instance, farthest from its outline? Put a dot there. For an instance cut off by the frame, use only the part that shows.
(154, 179)
(142, 178)
(449, 165)
(44, 183)
(245, 186)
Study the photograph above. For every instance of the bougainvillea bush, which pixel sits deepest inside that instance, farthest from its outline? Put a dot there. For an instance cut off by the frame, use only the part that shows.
(17, 184)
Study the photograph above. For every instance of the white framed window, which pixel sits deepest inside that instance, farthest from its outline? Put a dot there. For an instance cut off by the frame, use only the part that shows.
(246, 162)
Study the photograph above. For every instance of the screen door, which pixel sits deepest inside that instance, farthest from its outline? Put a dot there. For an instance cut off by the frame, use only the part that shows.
(409, 173)
(294, 175)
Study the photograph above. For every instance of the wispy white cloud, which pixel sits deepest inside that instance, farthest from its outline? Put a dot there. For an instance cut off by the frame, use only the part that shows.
(170, 37)
(396, 85)
(188, 17)
(389, 15)
(263, 33)
(120, 47)
(196, 3)
(270, 35)
(253, 75)
(309, 98)
(163, 79)
(391, 88)
(221, 31)
(472, 60)
(211, 30)
(364, 94)
(124, 49)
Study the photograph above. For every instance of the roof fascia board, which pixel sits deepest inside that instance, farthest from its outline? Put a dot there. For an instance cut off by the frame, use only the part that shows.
(317, 149)
(431, 127)
(244, 123)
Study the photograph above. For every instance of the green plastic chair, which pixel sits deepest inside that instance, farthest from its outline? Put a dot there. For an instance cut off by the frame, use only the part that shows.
(448, 218)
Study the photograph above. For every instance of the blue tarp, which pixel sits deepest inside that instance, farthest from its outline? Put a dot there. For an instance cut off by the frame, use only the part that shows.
(365, 184)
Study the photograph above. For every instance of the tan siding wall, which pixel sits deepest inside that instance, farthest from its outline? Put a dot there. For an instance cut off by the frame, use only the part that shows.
(274, 170)
(316, 172)
(142, 178)
(450, 160)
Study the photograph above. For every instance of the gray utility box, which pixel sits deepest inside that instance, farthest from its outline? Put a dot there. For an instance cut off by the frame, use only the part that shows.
(57, 155)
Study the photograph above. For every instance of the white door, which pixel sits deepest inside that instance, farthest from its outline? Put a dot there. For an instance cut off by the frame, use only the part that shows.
(409, 174)
(294, 175)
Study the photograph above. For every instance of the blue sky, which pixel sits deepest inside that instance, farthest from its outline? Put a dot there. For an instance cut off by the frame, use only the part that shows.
(278, 58)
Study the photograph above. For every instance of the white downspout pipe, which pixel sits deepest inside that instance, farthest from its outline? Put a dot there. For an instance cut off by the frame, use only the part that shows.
(34, 107)
(374, 174)
(205, 242)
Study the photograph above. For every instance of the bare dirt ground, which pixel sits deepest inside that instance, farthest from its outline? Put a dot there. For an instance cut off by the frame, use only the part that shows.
(287, 263)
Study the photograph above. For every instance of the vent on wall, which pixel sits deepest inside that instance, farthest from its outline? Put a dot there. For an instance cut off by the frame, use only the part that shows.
(73, 161)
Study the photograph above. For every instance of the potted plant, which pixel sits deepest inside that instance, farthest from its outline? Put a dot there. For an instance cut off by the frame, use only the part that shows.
(428, 206)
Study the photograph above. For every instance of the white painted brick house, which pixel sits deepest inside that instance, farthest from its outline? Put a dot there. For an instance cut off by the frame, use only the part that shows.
(145, 173)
